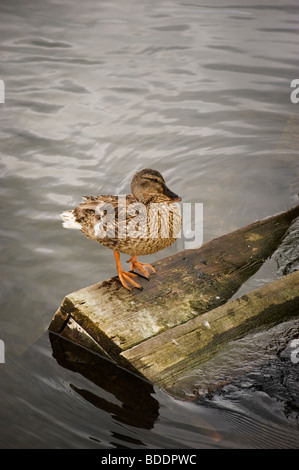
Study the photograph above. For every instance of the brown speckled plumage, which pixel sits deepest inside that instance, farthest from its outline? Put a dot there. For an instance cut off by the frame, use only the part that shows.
(141, 223)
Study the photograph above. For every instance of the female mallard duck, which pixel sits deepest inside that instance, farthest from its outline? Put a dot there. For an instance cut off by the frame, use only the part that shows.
(140, 223)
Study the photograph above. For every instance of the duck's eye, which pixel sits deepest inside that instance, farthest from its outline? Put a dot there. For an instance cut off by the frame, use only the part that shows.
(153, 180)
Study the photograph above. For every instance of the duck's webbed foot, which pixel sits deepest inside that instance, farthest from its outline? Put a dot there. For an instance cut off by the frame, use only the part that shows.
(124, 275)
(135, 265)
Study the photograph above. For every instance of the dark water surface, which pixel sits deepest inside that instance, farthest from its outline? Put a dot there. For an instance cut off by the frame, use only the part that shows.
(94, 91)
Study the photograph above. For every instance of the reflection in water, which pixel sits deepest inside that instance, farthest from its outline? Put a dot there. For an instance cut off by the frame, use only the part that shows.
(138, 407)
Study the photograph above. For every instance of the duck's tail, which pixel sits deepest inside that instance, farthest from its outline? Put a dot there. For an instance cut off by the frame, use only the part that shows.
(69, 220)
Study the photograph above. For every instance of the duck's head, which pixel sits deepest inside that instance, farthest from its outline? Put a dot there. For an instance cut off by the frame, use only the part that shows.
(147, 182)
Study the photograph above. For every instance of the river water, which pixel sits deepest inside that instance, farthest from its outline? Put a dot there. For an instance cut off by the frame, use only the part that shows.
(95, 91)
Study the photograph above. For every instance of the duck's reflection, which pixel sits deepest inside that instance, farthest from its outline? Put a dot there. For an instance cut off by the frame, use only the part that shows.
(138, 407)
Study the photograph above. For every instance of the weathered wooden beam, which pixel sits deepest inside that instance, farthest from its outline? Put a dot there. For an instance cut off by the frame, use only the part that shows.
(107, 318)
(165, 358)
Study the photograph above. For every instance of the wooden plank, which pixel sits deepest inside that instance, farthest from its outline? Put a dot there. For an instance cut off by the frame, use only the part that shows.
(187, 284)
(168, 356)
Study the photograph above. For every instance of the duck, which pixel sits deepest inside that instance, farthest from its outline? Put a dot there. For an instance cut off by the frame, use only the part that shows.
(140, 223)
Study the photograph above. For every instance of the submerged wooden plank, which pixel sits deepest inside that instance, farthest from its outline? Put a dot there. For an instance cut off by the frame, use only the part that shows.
(186, 286)
(134, 401)
(168, 356)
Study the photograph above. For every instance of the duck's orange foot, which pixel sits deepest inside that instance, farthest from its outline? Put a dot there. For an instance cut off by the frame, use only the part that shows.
(135, 265)
(124, 275)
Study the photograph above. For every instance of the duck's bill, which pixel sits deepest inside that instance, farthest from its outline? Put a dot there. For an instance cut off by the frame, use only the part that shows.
(172, 195)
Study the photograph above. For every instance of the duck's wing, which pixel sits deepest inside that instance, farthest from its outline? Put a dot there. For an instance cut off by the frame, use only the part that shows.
(104, 216)
(93, 203)
(100, 203)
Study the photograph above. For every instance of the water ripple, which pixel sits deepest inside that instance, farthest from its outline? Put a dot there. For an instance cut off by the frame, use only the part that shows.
(94, 92)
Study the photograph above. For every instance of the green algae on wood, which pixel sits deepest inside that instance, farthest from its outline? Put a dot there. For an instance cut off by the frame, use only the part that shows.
(172, 354)
(187, 285)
